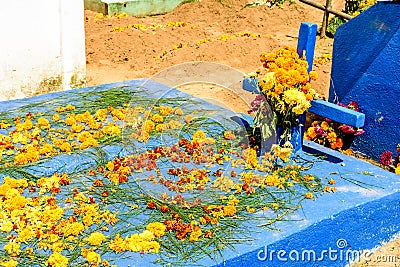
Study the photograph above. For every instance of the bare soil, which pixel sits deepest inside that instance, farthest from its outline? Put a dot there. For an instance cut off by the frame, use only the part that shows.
(133, 53)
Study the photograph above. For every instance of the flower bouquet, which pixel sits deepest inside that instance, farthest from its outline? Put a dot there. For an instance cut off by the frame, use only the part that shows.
(332, 134)
(285, 94)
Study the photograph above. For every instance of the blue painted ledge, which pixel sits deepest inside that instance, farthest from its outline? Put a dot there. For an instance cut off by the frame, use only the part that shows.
(337, 113)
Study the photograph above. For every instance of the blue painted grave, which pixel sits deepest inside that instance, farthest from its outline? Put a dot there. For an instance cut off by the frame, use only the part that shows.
(327, 231)
(366, 69)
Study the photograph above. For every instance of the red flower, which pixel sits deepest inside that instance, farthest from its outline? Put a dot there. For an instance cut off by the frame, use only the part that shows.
(151, 205)
(386, 158)
(164, 208)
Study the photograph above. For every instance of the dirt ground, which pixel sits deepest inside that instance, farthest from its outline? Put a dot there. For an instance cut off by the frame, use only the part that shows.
(137, 53)
(127, 48)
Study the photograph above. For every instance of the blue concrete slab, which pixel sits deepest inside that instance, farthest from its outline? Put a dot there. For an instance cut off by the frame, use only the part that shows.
(363, 213)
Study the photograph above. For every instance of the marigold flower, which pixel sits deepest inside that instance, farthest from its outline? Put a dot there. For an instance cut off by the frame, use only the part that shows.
(164, 208)
(309, 195)
(96, 238)
(9, 263)
(77, 128)
(158, 229)
(57, 260)
(188, 119)
(93, 258)
(12, 248)
(70, 120)
(43, 122)
(397, 170)
(111, 129)
(313, 75)
(229, 210)
(195, 234)
(229, 135)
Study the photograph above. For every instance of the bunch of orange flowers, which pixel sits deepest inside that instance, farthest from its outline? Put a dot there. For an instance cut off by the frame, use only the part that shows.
(287, 86)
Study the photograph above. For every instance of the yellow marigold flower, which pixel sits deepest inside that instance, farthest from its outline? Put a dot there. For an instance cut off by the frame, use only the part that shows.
(101, 115)
(313, 75)
(88, 143)
(118, 244)
(188, 118)
(69, 107)
(149, 126)
(282, 152)
(51, 215)
(25, 235)
(65, 147)
(93, 258)
(250, 209)
(267, 83)
(309, 195)
(158, 229)
(199, 135)
(229, 135)
(12, 248)
(195, 234)
(310, 134)
(74, 229)
(157, 118)
(397, 170)
(96, 238)
(9, 263)
(178, 111)
(272, 180)
(77, 128)
(229, 210)
(28, 125)
(57, 260)
(43, 122)
(6, 226)
(164, 111)
(70, 120)
(47, 149)
(325, 125)
(223, 183)
(111, 129)
(160, 127)
(110, 166)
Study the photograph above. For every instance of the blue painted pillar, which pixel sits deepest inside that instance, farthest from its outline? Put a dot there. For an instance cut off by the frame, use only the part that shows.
(306, 42)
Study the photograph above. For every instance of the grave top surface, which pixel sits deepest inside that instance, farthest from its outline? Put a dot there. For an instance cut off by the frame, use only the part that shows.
(361, 212)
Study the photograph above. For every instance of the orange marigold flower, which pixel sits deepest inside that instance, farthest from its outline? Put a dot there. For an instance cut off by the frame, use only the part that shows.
(229, 210)
(164, 208)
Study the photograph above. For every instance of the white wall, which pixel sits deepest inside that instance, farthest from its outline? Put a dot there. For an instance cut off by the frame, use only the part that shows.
(42, 47)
